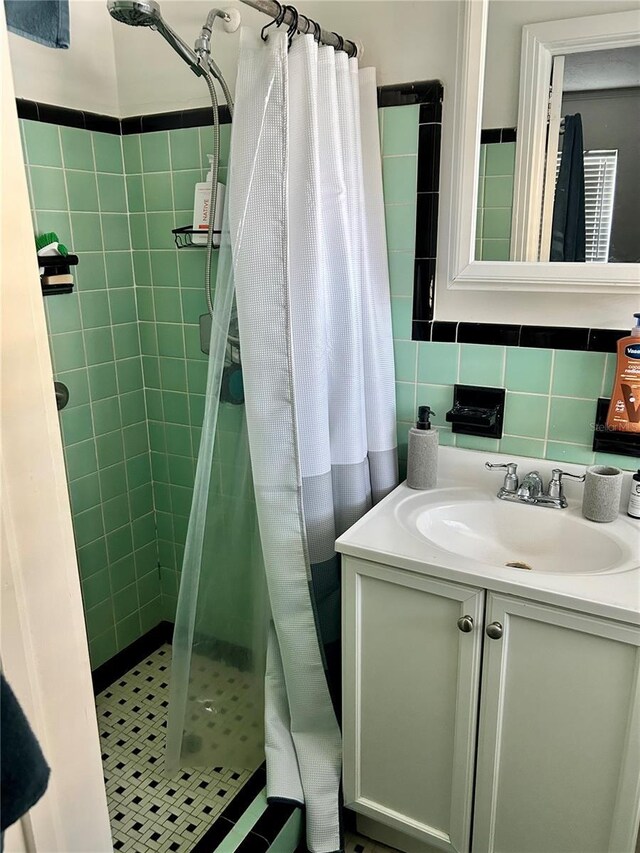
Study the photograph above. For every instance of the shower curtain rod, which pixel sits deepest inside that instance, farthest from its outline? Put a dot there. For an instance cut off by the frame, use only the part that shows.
(305, 25)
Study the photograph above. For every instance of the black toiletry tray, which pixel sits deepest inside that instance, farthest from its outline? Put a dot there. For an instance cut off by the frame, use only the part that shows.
(183, 237)
(477, 411)
(607, 440)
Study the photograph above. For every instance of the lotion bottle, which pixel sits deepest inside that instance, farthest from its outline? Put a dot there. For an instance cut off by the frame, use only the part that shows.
(201, 205)
(422, 454)
(624, 408)
(633, 510)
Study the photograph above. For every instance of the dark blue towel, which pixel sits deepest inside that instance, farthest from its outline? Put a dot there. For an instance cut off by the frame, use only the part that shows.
(44, 21)
(23, 773)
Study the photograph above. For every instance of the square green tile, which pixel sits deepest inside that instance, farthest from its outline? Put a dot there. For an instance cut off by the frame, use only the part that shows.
(144, 531)
(173, 376)
(113, 481)
(115, 230)
(57, 221)
(627, 463)
(405, 400)
(63, 314)
(129, 373)
(135, 194)
(77, 149)
(82, 191)
(178, 439)
(399, 179)
(148, 587)
(81, 459)
(141, 500)
(102, 648)
(102, 381)
(401, 317)
(119, 543)
(141, 269)
(139, 470)
(498, 192)
(132, 406)
(500, 158)
(96, 589)
(170, 340)
(90, 272)
(98, 345)
(99, 619)
(151, 371)
(126, 340)
(197, 374)
(184, 188)
(159, 225)
(92, 558)
(106, 415)
(136, 439)
(185, 148)
(572, 420)
(577, 454)
(111, 190)
(68, 351)
(517, 446)
(109, 449)
(176, 408)
(87, 233)
(181, 470)
(116, 513)
(401, 266)
(48, 188)
(122, 302)
(192, 266)
(164, 268)
(193, 304)
(123, 573)
(528, 369)
(131, 154)
(107, 148)
(438, 363)
(578, 374)
(78, 385)
(128, 630)
(94, 309)
(401, 227)
(155, 151)
(77, 424)
(496, 223)
(158, 191)
(148, 338)
(481, 365)
(42, 143)
(526, 415)
(167, 304)
(439, 398)
(139, 235)
(400, 130)
(119, 269)
(477, 442)
(85, 493)
(495, 250)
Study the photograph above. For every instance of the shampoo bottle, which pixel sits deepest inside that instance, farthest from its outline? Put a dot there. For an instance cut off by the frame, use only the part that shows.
(201, 205)
(422, 454)
(633, 510)
(624, 408)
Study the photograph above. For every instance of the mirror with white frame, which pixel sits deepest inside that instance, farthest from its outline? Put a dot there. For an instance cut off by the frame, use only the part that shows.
(523, 79)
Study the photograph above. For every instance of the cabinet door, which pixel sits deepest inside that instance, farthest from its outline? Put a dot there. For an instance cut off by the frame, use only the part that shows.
(559, 737)
(411, 681)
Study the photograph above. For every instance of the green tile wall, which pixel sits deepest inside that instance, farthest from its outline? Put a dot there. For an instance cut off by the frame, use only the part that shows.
(551, 394)
(161, 172)
(77, 189)
(495, 201)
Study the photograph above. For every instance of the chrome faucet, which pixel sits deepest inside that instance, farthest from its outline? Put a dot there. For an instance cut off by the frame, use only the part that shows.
(531, 490)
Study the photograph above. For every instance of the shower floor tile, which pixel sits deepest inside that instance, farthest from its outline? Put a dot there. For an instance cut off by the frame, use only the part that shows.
(150, 811)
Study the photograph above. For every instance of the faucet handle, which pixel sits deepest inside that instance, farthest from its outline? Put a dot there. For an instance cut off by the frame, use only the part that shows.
(511, 477)
(555, 489)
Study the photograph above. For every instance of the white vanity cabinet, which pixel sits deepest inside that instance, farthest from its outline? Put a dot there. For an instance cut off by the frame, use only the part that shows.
(551, 703)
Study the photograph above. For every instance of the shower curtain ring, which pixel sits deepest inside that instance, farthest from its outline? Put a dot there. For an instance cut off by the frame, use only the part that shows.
(317, 31)
(277, 20)
(340, 41)
(293, 26)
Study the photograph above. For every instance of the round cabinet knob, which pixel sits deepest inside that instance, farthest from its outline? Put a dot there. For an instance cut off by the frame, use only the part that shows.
(494, 630)
(465, 623)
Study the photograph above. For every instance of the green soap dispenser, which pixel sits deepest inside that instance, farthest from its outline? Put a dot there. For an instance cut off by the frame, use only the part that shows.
(422, 454)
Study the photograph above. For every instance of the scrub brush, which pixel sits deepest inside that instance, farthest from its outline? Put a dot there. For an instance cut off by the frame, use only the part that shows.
(48, 244)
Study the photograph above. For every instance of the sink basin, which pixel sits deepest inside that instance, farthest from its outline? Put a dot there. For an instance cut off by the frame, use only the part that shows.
(522, 538)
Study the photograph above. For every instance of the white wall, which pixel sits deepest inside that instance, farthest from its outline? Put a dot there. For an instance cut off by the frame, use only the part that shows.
(506, 19)
(82, 77)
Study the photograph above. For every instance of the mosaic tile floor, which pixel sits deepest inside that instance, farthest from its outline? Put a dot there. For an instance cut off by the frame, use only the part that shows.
(148, 810)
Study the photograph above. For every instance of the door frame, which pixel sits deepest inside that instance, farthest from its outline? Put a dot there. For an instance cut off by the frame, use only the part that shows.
(43, 641)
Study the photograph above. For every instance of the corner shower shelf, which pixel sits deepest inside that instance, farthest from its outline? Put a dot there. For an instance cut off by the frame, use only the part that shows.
(184, 237)
(56, 265)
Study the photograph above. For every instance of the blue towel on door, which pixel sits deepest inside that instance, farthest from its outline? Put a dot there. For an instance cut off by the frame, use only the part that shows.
(24, 774)
(44, 21)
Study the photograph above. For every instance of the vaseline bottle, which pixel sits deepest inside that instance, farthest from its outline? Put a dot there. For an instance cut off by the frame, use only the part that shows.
(624, 408)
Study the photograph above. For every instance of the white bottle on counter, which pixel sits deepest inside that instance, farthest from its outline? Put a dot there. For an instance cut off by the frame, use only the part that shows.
(201, 204)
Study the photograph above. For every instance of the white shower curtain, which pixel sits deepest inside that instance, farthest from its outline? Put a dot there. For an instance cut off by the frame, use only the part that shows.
(306, 223)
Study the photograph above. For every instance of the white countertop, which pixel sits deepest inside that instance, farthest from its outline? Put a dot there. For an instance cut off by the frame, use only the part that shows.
(380, 537)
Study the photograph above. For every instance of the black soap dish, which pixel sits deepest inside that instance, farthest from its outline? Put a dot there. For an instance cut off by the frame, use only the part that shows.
(613, 441)
(183, 237)
(56, 265)
(477, 411)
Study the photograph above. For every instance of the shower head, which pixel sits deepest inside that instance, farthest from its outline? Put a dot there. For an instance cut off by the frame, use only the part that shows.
(146, 13)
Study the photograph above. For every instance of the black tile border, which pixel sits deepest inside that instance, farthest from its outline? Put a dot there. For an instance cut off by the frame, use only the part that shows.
(406, 94)
(117, 666)
(506, 335)
(51, 114)
(492, 135)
